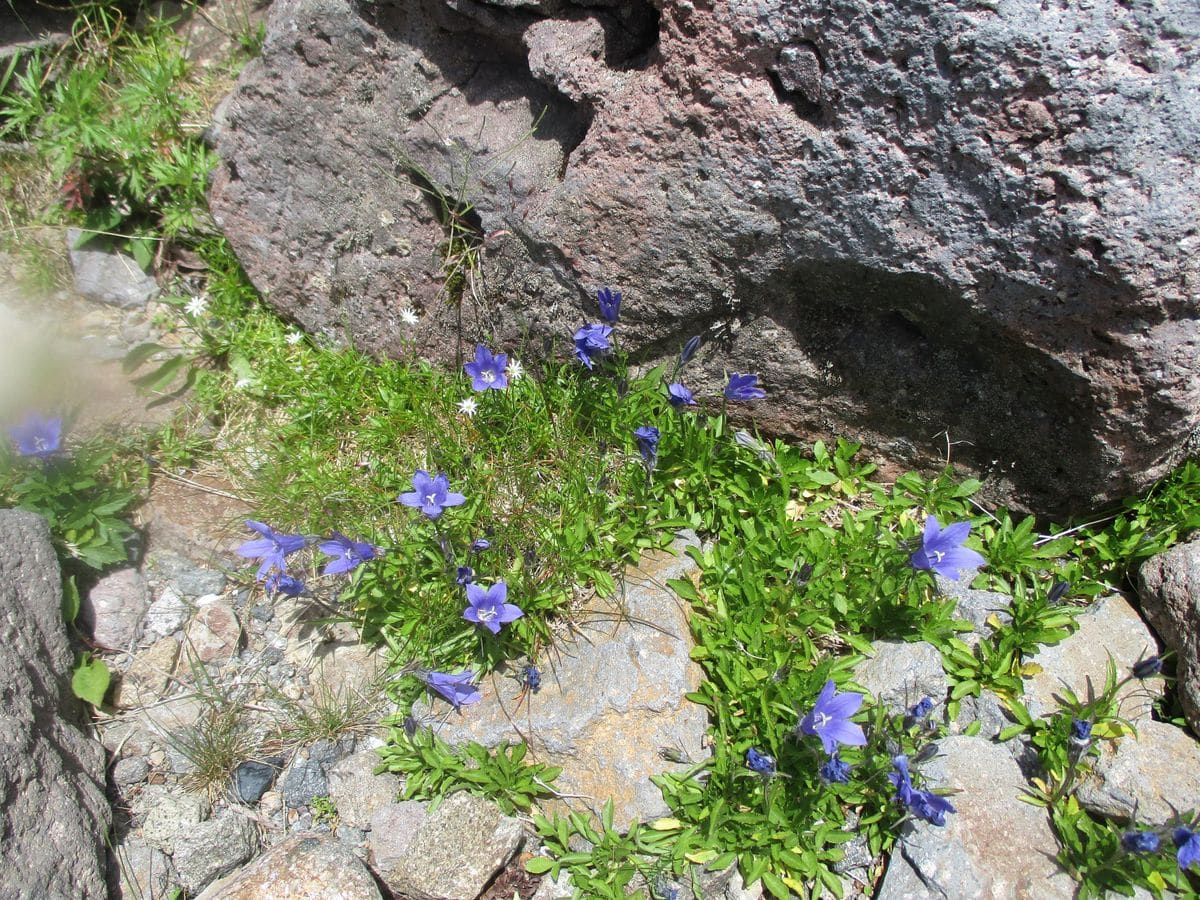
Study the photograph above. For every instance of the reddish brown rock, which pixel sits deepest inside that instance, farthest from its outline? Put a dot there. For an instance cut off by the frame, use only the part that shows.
(922, 225)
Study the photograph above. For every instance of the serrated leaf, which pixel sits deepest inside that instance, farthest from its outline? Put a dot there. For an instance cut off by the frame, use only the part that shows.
(90, 680)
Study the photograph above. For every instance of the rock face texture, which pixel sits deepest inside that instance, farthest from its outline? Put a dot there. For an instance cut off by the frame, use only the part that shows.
(976, 219)
(1170, 595)
(55, 816)
(610, 698)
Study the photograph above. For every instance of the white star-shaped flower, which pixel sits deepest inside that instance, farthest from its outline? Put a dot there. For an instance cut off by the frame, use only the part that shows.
(294, 337)
(197, 306)
(407, 316)
(515, 370)
(468, 407)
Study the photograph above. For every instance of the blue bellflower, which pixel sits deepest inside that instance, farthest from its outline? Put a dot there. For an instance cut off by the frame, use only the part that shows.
(465, 575)
(487, 372)
(487, 608)
(1140, 842)
(689, 349)
(431, 495)
(830, 720)
(347, 554)
(922, 804)
(480, 544)
(647, 444)
(1187, 847)
(37, 436)
(531, 677)
(762, 763)
(459, 688)
(592, 341)
(282, 583)
(835, 771)
(679, 396)
(610, 304)
(942, 549)
(744, 387)
(272, 548)
(1148, 667)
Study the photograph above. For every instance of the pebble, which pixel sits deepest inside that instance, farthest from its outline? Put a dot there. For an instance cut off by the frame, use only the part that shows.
(251, 780)
(130, 770)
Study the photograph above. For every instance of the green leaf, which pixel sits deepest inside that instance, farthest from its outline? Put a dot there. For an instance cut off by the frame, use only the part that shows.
(139, 354)
(538, 865)
(162, 376)
(90, 680)
(70, 601)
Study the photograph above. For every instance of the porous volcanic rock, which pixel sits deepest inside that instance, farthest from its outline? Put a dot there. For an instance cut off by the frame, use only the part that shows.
(54, 813)
(968, 223)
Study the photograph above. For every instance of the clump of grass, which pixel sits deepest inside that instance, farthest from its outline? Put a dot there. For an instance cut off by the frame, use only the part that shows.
(330, 713)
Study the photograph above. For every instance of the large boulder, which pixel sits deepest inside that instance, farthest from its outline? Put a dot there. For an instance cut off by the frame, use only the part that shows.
(53, 813)
(967, 225)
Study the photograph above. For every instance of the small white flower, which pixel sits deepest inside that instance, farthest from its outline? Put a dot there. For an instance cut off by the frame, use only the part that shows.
(515, 370)
(407, 316)
(197, 306)
(468, 406)
(294, 337)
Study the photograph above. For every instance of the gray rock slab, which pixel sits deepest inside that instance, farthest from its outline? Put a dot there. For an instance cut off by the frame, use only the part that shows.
(610, 699)
(1170, 597)
(114, 607)
(994, 846)
(109, 277)
(1156, 771)
(457, 851)
(975, 606)
(52, 773)
(358, 791)
(188, 579)
(303, 867)
(899, 674)
(212, 849)
(393, 832)
(1109, 629)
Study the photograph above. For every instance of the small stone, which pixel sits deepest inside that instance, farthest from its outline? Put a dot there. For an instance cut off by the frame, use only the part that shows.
(166, 615)
(111, 278)
(165, 814)
(305, 780)
(214, 633)
(303, 867)
(130, 770)
(358, 791)
(145, 871)
(271, 802)
(252, 778)
(212, 849)
(147, 678)
(348, 835)
(114, 607)
(180, 574)
(262, 612)
(207, 600)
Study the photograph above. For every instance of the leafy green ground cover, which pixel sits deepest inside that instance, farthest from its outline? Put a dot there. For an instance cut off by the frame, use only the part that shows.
(568, 472)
